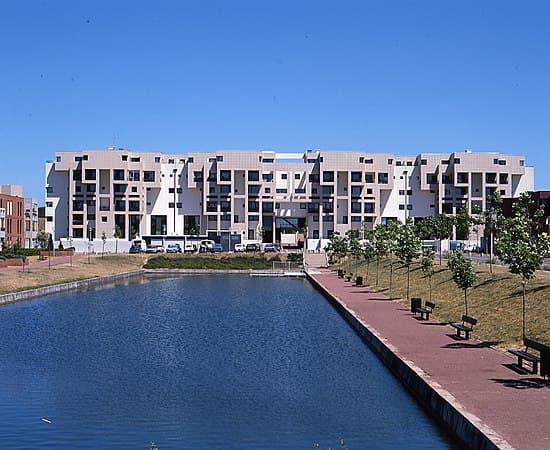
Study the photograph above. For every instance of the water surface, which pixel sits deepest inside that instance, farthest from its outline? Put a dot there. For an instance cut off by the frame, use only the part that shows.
(209, 362)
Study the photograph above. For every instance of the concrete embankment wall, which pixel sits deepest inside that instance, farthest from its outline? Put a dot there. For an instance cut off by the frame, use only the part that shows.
(74, 285)
(438, 402)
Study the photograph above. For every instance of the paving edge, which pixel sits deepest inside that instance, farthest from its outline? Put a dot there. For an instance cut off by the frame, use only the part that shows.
(467, 428)
(64, 287)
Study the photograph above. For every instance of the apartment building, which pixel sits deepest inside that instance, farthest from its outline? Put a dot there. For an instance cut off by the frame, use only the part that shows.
(11, 216)
(234, 196)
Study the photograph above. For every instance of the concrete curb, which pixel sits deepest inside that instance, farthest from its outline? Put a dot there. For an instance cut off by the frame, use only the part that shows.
(467, 428)
(64, 287)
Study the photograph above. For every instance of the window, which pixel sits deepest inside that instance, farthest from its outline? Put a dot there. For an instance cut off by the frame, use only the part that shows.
(501, 162)
(457, 160)
(382, 178)
(134, 189)
(297, 176)
(355, 219)
(49, 204)
(521, 163)
(447, 179)
(212, 176)
(283, 176)
(253, 206)
(355, 207)
(90, 174)
(104, 219)
(267, 190)
(390, 161)
(253, 175)
(401, 207)
(356, 177)
(300, 191)
(281, 191)
(267, 176)
(135, 159)
(328, 176)
(328, 190)
(409, 207)
(444, 161)
(197, 176)
(369, 161)
(78, 219)
(356, 191)
(369, 208)
(179, 190)
(431, 178)
(423, 162)
(314, 178)
(119, 188)
(133, 205)
(170, 161)
(462, 177)
(225, 175)
(91, 188)
(120, 205)
(397, 163)
(254, 189)
(78, 205)
(225, 189)
(503, 178)
(495, 161)
(77, 175)
(78, 233)
(253, 218)
(225, 206)
(178, 204)
(219, 158)
(171, 190)
(124, 157)
(149, 176)
(369, 177)
(157, 159)
(267, 207)
(211, 206)
(118, 174)
(191, 159)
(490, 178)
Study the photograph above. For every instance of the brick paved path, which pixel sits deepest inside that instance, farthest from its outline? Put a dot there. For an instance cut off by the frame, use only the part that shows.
(479, 378)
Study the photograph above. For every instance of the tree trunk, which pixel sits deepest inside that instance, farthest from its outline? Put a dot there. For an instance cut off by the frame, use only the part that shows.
(377, 267)
(440, 251)
(367, 274)
(391, 275)
(466, 300)
(430, 288)
(524, 310)
(408, 280)
(116, 246)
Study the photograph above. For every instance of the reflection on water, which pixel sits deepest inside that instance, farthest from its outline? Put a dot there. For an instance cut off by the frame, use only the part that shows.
(197, 362)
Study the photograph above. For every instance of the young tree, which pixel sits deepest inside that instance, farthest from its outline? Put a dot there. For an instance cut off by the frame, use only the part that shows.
(337, 247)
(117, 234)
(380, 246)
(391, 234)
(103, 240)
(407, 247)
(442, 229)
(368, 254)
(354, 247)
(493, 222)
(427, 264)
(42, 238)
(463, 274)
(520, 250)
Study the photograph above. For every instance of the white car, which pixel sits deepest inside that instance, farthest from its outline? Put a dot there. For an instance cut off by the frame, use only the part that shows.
(206, 245)
(190, 248)
(240, 247)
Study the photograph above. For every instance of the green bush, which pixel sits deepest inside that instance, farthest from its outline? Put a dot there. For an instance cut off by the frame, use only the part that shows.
(256, 262)
(21, 251)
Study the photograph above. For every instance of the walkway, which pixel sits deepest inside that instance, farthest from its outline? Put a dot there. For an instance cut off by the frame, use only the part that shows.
(479, 379)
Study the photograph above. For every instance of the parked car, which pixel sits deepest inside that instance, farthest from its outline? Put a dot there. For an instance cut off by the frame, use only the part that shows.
(269, 247)
(253, 247)
(173, 248)
(135, 249)
(190, 248)
(240, 247)
(205, 245)
(154, 249)
(216, 248)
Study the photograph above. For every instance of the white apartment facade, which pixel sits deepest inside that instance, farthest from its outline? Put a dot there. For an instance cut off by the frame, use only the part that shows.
(235, 196)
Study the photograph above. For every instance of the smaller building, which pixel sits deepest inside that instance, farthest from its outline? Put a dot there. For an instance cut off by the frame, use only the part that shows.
(18, 218)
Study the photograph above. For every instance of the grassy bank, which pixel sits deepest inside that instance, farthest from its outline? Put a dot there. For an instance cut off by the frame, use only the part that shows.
(209, 261)
(32, 277)
(495, 299)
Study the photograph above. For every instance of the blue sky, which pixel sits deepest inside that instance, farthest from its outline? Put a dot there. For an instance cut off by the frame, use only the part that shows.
(176, 76)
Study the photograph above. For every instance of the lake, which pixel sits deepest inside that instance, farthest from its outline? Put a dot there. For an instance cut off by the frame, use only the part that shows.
(209, 362)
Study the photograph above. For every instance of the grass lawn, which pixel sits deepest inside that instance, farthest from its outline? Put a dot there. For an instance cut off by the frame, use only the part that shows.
(495, 299)
(32, 277)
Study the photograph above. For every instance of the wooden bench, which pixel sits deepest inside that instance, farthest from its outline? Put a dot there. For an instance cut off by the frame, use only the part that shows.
(525, 355)
(426, 311)
(349, 277)
(467, 326)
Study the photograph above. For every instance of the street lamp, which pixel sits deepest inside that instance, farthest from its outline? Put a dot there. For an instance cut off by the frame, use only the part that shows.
(89, 242)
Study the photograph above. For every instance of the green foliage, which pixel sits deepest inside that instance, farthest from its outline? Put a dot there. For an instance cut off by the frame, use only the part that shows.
(43, 238)
(520, 248)
(407, 243)
(50, 242)
(427, 266)
(337, 246)
(256, 262)
(117, 233)
(295, 257)
(354, 246)
(463, 274)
